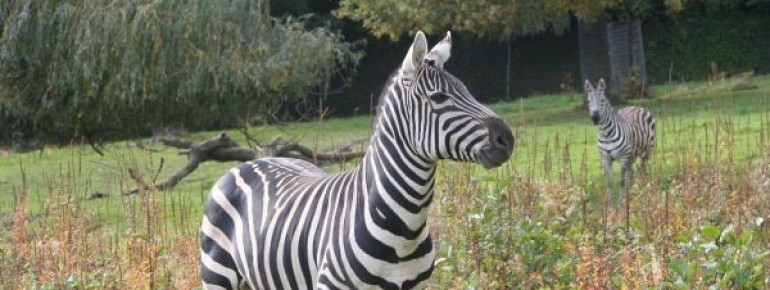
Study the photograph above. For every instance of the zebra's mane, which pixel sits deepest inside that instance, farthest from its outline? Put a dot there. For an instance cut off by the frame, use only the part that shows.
(382, 96)
(391, 79)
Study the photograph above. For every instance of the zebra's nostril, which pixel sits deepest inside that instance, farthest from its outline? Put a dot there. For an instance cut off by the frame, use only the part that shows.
(502, 142)
(500, 135)
(499, 145)
(595, 117)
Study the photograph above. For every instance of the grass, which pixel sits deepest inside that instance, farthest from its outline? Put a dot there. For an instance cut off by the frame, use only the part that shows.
(540, 221)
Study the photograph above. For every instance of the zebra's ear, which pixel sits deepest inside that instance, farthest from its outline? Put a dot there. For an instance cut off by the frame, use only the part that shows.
(440, 53)
(588, 87)
(415, 56)
(601, 85)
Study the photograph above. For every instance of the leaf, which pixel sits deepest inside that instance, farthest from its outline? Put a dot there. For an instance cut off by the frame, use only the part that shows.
(727, 233)
(710, 232)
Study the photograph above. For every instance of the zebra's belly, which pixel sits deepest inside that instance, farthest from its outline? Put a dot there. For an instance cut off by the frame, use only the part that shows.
(275, 263)
(338, 271)
(360, 271)
(614, 151)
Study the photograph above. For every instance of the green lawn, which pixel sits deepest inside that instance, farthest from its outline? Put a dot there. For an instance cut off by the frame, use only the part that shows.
(702, 128)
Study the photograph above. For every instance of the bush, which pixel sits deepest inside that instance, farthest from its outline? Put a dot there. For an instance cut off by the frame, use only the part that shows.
(732, 39)
(718, 258)
(98, 68)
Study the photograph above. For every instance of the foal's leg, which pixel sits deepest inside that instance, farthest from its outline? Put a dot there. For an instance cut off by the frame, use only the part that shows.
(607, 166)
(644, 161)
(626, 177)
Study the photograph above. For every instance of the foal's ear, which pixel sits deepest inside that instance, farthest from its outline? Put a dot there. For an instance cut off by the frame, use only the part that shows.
(601, 85)
(415, 56)
(588, 87)
(440, 53)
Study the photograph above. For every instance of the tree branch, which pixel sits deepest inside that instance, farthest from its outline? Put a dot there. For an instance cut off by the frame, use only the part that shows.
(223, 149)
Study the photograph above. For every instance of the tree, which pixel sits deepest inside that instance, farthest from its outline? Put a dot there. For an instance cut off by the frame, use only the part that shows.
(506, 19)
(97, 68)
(498, 19)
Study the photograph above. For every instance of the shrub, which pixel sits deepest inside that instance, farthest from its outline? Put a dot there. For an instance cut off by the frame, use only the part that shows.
(98, 68)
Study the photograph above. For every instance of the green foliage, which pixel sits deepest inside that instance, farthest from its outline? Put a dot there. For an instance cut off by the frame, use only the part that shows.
(495, 19)
(96, 67)
(482, 18)
(685, 45)
(716, 257)
(540, 248)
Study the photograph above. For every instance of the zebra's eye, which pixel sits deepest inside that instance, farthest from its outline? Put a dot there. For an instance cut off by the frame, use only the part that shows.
(439, 98)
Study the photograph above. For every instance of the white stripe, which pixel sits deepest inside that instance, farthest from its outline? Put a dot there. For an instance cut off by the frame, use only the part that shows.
(266, 247)
(247, 190)
(220, 269)
(282, 241)
(400, 172)
(328, 198)
(404, 214)
(224, 203)
(401, 245)
(213, 287)
(295, 244)
(217, 235)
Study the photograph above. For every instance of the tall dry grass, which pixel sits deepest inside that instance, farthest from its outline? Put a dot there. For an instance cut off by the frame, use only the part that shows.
(696, 219)
(70, 245)
(693, 221)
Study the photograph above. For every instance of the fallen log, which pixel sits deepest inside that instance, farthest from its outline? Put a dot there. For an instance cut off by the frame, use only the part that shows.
(222, 148)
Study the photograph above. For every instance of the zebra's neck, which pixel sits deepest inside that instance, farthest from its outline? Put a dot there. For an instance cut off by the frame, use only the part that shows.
(607, 121)
(397, 181)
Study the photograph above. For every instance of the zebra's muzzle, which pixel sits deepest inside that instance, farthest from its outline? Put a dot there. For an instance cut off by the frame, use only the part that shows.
(499, 145)
(595, 117)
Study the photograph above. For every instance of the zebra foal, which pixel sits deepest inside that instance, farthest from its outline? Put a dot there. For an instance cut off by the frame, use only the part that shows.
(279, 223)
(623, 136)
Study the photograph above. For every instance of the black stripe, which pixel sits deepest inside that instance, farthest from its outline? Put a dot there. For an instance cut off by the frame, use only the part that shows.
(389, 187)
(216, 253)
(213, 278)
(362, 273)
(291, 222)
(391, 222)
(410, 284)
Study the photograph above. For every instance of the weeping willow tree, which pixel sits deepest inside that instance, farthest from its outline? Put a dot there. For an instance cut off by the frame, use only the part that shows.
(96, 68)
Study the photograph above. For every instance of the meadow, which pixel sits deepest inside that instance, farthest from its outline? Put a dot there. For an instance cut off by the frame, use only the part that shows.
(698, 219)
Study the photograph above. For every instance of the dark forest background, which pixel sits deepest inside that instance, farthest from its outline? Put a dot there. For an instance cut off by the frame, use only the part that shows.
(95, 71)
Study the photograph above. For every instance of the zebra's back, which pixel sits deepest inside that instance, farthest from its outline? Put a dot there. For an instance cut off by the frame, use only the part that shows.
(640, 129)
(261, 210)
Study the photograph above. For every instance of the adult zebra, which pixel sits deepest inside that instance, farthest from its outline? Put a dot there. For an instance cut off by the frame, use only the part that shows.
(280, 223)
(623, 136)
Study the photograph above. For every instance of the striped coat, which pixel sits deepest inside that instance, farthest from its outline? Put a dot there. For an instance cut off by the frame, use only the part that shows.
(279, 223)
(624, 135)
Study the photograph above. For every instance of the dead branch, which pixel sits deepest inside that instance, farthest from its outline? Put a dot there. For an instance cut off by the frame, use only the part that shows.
(174, 141)
(223, 149)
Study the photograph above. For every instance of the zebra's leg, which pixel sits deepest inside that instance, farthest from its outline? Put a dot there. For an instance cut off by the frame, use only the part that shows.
(607, 166)
(644, 160)
(626, 177)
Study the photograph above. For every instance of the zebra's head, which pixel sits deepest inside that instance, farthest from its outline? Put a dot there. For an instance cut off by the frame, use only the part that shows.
(444, 120)
(597, 102)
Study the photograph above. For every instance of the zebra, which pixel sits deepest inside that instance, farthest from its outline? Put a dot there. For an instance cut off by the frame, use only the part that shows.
(623, 136)
(280, 223)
